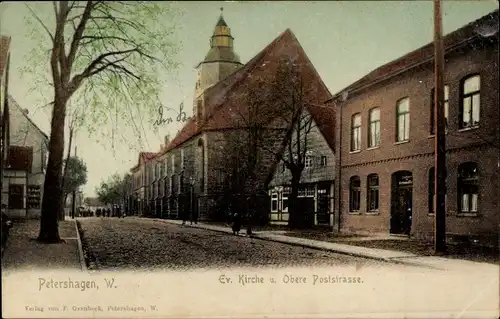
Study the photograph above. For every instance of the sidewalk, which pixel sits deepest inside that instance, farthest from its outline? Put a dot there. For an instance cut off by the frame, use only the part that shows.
(357, 251)
(23, 252)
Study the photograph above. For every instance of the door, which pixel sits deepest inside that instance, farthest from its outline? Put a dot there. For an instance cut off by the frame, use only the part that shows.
(323, 213)
(401, 210)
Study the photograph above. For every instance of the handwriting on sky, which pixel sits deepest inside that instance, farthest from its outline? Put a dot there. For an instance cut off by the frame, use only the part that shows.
(181, 115)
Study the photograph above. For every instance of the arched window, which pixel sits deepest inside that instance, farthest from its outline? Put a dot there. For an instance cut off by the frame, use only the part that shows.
(372, 194)
(374, 127)
(354, 194)
(403, 120)
(201, 165)
(470, 102)
(468, 187)
(356, 132)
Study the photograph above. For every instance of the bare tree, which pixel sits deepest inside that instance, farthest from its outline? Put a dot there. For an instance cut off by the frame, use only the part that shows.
(276, 125)
(108, 55)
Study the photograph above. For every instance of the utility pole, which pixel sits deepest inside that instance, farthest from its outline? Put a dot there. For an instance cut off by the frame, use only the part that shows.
(73, 196)
(439, 139)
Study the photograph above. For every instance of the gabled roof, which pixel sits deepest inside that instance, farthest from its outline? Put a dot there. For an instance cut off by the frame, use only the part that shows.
(4, 52)
(146, 157)
(324, 117)
(225, 97)
(20, 158)
(12, 101)
(424, 54)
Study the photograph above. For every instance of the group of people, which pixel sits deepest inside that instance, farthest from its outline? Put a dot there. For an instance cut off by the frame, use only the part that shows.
(236, 220)
(105, 212)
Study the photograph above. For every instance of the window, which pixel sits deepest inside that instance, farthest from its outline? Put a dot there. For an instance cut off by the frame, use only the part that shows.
(308, 161)
(354, 194)
(16, 196)
(468, 187)
(372, 194)
(374, 133)
(356, 132)
(446, 108)
(180, 183)
(198, 109)
(182, 158)
(403, 120)
(173, 163)
(323, 161)
(470, 101)
(274, 202)
(284, 200)
(33, 196)
(306, 191)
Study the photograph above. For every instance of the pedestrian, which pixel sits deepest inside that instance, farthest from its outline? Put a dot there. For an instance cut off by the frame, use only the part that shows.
(236, 223)
(250, 214)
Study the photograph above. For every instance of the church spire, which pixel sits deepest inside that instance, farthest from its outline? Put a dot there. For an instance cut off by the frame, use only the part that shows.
(222, 34)
(221, 22)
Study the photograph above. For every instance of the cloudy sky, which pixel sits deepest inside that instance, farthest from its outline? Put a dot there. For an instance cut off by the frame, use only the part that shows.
(344, 40)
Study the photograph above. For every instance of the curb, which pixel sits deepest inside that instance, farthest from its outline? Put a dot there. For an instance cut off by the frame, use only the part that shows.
(278, 240)
(80, 248)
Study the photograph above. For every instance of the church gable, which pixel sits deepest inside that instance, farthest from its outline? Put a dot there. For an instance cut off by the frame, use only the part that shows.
(260, 71)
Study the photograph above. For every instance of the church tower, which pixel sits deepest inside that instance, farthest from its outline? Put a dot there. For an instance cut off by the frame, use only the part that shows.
(220, 61)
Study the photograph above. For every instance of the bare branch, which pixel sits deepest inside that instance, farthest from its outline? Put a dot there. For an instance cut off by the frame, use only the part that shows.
(79, 33)
(41, 22)
(77, 79)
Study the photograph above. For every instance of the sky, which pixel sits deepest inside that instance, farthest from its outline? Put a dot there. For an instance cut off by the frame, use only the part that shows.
(344, 40)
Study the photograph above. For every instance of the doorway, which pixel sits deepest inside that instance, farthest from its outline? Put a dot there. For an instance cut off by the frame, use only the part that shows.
(401, 207)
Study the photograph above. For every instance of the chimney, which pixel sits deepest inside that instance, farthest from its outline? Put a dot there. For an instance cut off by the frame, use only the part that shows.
(26, 111)
(167, 140)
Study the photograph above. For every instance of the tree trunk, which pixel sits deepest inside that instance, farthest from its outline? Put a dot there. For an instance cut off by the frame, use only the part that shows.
(294, 220)
(52, 203)
(65, 175)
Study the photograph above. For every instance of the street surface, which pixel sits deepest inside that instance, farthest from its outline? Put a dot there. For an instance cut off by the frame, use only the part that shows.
(133, 243)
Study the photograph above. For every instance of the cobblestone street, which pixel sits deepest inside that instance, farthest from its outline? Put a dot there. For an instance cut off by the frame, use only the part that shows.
(147, 244)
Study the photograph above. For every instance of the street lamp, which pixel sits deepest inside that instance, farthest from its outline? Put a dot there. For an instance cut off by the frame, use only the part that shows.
(191, 199)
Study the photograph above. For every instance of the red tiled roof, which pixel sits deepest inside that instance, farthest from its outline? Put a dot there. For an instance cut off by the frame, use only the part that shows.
(424, 54)
(224, 99)
(324, 117)
(147, 156)
(20, 158)
(4, 52)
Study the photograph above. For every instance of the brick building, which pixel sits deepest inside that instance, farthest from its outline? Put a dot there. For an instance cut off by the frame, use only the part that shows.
(385, 140)
(138, 194)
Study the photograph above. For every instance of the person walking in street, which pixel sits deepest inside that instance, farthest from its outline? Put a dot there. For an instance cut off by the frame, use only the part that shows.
(236, 227)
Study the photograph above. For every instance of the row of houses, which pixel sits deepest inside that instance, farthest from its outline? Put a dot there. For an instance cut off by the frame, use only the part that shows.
(370, 156)
(24, 150)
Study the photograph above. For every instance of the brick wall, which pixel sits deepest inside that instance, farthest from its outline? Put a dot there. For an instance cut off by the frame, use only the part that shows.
(416, 155)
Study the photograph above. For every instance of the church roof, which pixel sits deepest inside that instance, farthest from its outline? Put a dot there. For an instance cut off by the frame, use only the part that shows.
(221, 54)
(225, 98)
(145, 157)
(221, 22)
